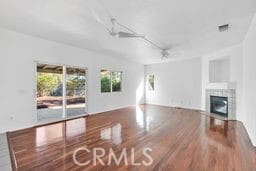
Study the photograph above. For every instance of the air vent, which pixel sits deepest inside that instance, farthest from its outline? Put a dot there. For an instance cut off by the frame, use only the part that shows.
(224, 27)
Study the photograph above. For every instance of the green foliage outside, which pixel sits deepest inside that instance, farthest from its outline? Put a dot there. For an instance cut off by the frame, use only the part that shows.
(47, 82)
(105, 84)
(116, 81)
(76, 83)
(106, 81)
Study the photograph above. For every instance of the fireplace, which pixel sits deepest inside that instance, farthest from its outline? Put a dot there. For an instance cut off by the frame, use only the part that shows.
(219, 105)
(221, 102)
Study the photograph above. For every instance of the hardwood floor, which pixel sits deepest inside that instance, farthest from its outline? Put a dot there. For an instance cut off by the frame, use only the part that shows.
(180, 139)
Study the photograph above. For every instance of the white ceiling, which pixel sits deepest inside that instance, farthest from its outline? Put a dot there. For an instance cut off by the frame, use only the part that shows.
(189, 27)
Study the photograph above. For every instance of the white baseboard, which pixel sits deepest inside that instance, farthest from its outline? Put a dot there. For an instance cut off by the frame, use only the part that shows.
(107, 110)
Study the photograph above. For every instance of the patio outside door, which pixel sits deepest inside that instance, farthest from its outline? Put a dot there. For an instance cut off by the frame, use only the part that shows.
(61, 92)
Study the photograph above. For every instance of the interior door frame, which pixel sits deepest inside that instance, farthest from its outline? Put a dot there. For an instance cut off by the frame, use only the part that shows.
(64, 112)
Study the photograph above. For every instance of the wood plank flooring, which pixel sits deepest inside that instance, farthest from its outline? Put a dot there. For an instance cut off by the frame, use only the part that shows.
(180, 139)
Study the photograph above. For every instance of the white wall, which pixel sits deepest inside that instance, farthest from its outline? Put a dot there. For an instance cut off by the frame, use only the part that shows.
(249, 80)
(235, 55)
(219, 70)
(18, 53)
(177, 83)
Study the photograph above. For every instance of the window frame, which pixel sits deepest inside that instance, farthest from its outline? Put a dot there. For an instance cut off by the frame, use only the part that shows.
(111, 88)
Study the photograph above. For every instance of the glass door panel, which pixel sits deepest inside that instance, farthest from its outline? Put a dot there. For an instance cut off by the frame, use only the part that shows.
(49, 92)
(75, 91)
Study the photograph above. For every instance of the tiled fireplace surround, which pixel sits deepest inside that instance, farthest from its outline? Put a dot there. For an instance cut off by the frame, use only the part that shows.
(230, 94)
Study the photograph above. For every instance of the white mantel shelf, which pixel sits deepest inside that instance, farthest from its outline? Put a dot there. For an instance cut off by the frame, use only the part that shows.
(222, 85)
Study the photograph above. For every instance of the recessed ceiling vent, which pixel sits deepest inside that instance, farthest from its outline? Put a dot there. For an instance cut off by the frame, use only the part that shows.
(224, 27)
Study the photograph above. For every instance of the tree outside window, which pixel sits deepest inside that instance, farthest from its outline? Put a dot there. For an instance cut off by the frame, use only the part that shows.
(116, 81)
(111, 81)
(105, 81)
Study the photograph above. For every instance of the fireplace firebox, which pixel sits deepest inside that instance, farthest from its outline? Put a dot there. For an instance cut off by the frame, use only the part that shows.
(219, 105)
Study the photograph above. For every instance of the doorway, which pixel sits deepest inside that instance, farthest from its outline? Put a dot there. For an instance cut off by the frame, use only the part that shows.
(61, 92)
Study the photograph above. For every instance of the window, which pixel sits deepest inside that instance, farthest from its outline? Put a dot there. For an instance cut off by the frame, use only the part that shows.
(61, 92)
(116, 81)
(151, 82)
(49, 92)
(111, 81)
(105, 81)
(75, 91)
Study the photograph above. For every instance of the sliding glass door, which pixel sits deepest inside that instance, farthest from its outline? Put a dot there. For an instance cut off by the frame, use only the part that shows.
(75, 91)
(61, 92)
(49, 92)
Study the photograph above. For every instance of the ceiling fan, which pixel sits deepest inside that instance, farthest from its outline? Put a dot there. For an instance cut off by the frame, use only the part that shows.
(113, 31)
(129, 33)
(122, 34)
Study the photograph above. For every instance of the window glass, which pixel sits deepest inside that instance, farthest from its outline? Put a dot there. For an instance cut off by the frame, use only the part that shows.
(105, 81)
(116, 81)
(75, 91)
(151, 82)
(61, 92)
(49, 91)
